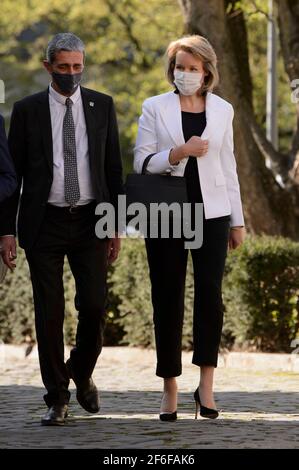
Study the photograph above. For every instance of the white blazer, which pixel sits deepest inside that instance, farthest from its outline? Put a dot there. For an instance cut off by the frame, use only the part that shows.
(160, 129)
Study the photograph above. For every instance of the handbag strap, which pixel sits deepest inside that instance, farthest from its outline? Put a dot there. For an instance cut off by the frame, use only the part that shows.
(145, 163)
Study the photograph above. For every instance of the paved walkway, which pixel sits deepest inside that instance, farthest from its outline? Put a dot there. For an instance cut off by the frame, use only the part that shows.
(260, 408)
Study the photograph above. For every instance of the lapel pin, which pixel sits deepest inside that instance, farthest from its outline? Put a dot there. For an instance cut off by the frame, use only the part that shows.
(91, 103)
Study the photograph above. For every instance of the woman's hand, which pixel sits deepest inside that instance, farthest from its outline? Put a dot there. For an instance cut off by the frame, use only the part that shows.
(236, 237)
(196, 147)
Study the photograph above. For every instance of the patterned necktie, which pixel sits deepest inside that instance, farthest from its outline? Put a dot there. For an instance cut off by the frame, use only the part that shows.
(71, 181)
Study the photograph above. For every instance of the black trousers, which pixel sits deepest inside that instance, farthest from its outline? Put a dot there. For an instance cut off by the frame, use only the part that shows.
(72, 235)
(167, 260)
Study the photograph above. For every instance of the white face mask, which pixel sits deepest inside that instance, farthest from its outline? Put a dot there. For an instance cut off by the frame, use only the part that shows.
(188, 82)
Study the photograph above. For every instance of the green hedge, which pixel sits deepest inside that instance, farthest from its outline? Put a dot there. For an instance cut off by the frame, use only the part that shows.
(16, 305)
(260, 293)
(130, 284)
(17, 311)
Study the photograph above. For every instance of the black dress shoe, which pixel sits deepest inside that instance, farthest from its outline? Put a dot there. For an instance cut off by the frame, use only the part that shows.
(55, 416)
(87, 392)
(204, 411)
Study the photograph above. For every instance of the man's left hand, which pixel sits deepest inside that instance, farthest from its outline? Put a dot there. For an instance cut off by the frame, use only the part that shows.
(114, 245)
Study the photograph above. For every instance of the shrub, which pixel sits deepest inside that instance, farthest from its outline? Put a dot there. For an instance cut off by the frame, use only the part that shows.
(130, 283)
(16, 304)
(17, 310)
(261, 293)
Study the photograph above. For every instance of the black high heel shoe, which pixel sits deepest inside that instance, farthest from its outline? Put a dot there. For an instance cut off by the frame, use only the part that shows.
(168, 416)
(165, 416)
(204, 411)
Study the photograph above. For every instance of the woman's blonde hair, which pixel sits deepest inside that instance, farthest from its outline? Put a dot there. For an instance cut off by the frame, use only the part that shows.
(200, 48)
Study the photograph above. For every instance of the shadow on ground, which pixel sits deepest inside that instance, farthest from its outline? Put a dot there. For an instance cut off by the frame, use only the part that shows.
(129, 420)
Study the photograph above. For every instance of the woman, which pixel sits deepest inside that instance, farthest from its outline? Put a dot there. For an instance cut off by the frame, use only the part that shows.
(189, 131)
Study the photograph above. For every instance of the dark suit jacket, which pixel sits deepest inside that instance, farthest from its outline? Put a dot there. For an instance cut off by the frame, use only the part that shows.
(8, 180)
(30, 144)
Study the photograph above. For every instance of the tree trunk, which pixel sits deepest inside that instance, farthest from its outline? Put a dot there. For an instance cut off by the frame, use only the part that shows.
(268, 207)
(288, 21)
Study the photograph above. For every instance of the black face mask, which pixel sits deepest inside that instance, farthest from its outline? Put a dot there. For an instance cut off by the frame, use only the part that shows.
(67, 82)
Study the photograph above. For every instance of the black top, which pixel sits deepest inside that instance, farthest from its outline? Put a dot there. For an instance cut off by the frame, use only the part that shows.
(193, 124)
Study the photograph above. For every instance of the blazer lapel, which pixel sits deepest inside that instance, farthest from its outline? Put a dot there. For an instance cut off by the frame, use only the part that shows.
(46, 128)
(172, 118)
(214, 117)
(89, 107)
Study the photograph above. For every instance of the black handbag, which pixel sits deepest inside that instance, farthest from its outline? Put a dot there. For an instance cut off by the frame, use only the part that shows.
(147, 188)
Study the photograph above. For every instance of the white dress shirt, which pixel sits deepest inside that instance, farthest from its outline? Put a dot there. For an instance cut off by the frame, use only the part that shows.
(58, 110)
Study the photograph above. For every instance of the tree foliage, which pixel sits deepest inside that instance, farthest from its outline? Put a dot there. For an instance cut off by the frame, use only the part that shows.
(125, 44)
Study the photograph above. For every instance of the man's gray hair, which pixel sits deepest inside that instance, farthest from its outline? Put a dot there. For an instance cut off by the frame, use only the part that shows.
(64, 42)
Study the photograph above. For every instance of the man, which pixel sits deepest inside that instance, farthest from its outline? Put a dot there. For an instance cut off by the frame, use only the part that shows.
(8, 181)
(64, 142)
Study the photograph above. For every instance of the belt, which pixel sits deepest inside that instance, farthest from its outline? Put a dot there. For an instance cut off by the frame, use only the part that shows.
(73, 209)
